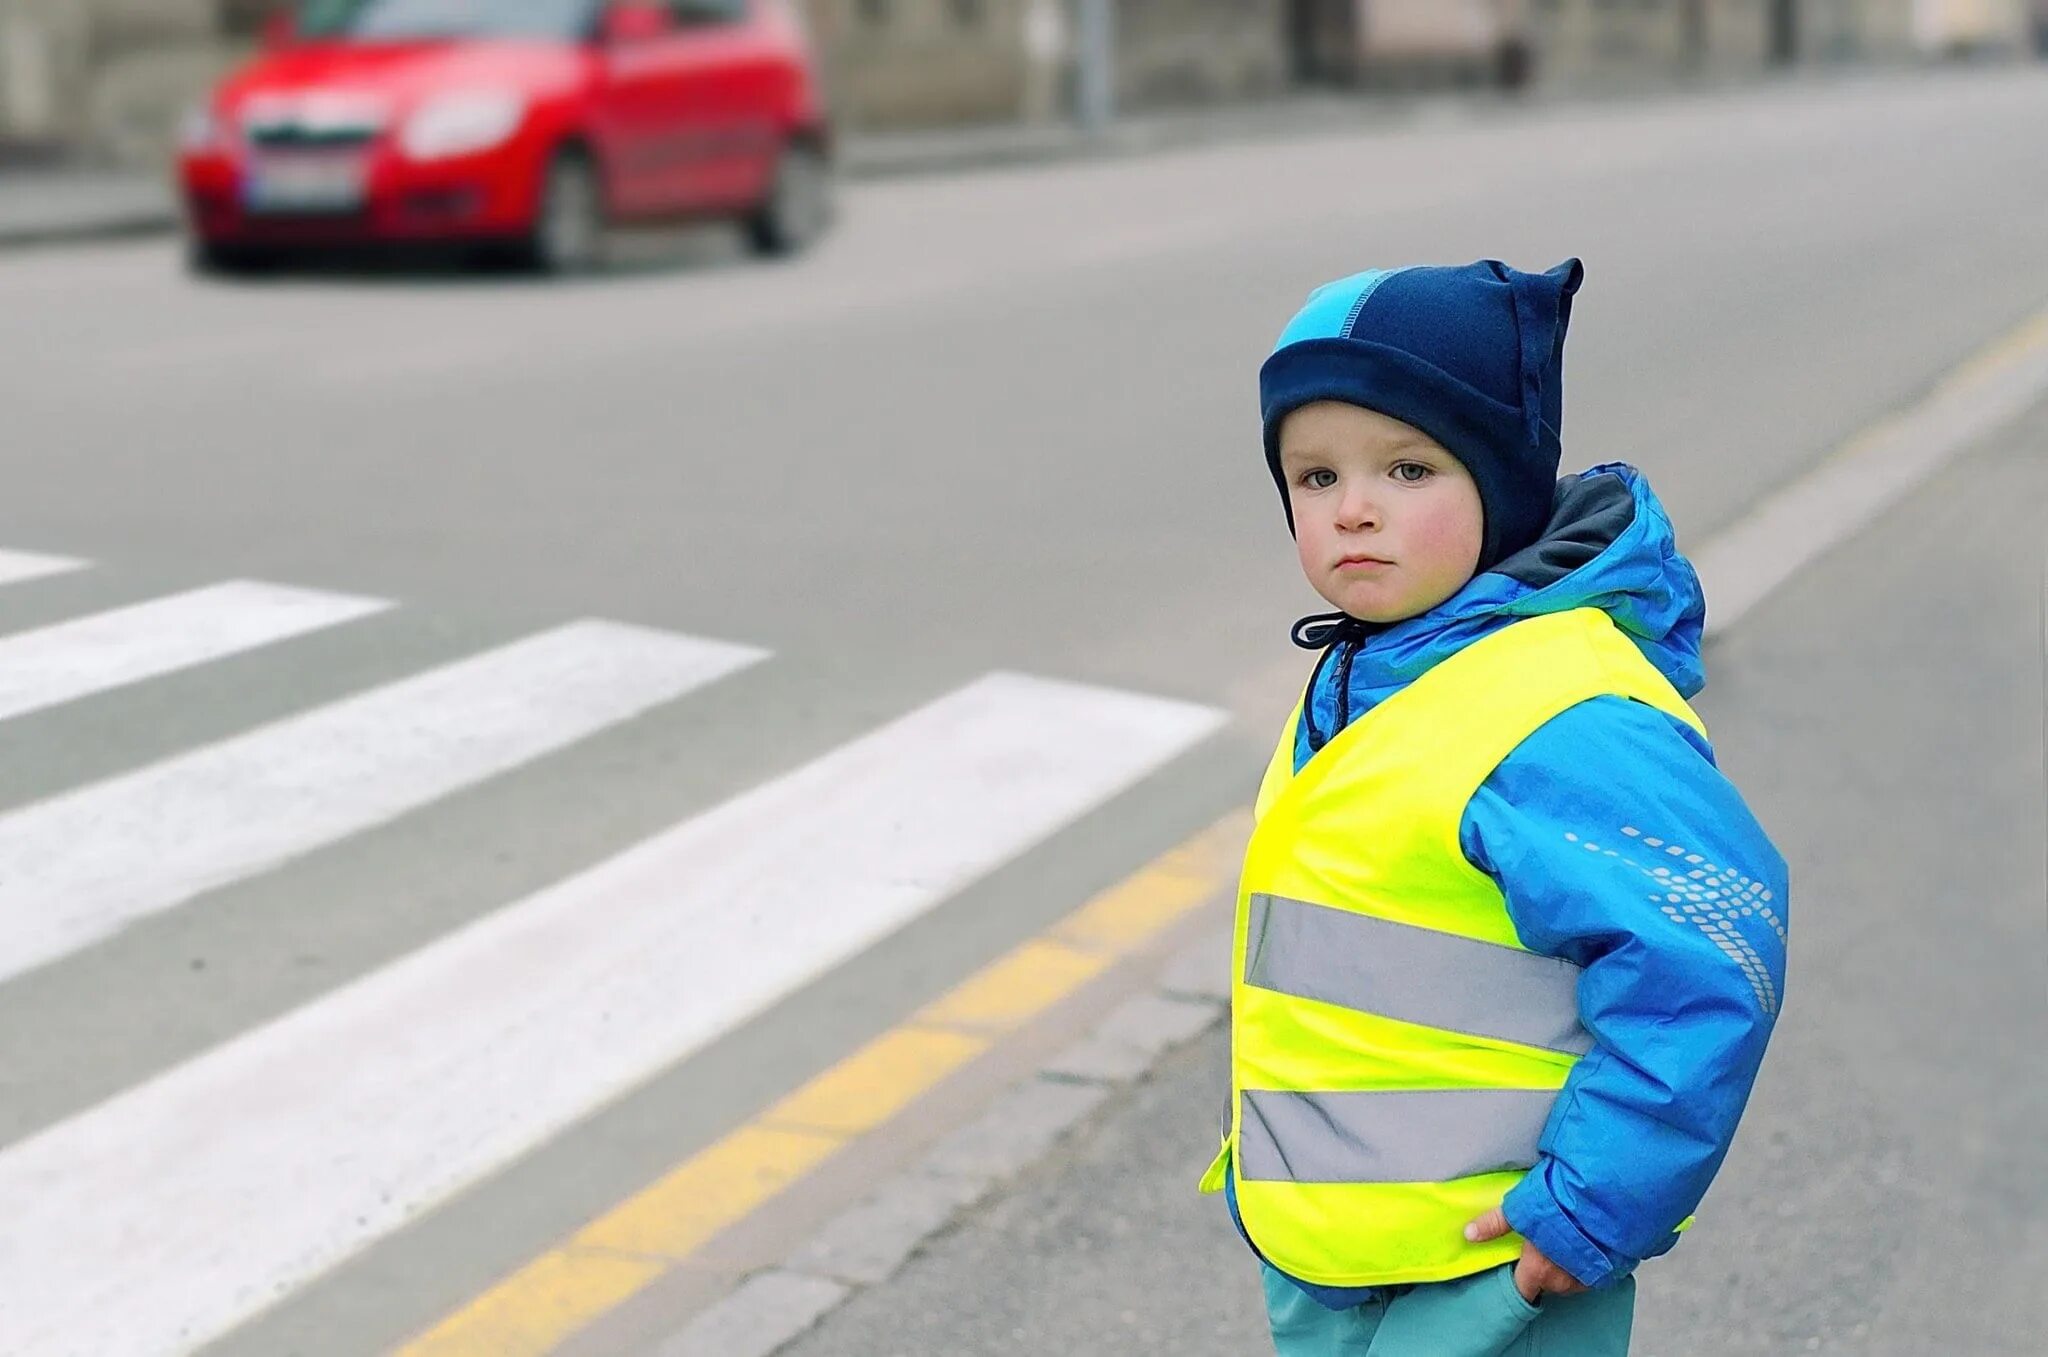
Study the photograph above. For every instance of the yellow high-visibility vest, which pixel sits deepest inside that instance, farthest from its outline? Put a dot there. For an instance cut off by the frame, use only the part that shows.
(1395, 1050)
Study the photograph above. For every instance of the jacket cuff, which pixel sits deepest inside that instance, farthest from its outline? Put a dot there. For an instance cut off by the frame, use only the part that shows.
(1535, 1214)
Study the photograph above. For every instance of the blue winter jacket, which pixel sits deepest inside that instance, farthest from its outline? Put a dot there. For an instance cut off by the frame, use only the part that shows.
(1620, 847)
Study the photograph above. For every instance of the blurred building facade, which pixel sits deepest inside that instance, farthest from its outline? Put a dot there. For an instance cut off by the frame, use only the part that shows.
(1421, 42)
(109, 78)
(897, 63)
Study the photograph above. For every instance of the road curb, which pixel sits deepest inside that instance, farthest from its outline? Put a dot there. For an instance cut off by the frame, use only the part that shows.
(870, 1243)
(127, 226)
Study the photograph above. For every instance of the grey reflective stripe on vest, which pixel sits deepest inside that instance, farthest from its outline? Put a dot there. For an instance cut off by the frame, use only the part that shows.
(1418, 975)
(1405, 1136)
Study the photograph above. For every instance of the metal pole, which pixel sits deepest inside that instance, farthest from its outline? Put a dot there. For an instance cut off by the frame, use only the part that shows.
(1096, 73)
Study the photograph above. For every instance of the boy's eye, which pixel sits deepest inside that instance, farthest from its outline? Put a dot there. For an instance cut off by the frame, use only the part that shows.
(1322, 478)
(1411, 473)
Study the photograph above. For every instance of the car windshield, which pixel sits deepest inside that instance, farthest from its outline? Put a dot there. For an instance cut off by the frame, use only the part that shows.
(372, 19)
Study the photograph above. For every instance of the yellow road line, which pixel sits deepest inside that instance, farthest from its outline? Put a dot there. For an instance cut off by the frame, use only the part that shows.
(1994, 358)
(625, 1250)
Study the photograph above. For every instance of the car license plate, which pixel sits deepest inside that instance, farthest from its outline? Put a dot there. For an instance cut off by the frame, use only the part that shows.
(304, 183)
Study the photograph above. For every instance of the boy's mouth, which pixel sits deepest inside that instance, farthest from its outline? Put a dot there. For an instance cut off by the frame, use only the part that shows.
(1363, 563)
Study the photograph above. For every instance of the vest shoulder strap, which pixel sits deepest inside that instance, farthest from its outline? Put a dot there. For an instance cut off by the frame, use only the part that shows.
(1452, 727)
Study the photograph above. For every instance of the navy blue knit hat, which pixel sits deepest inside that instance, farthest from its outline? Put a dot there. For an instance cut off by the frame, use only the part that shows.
(1473, 356)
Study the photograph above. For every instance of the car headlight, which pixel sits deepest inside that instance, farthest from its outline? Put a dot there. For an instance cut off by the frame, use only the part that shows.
(199, 130)
(458, 124)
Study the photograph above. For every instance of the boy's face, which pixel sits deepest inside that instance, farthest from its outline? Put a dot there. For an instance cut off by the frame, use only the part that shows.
(1387, 522)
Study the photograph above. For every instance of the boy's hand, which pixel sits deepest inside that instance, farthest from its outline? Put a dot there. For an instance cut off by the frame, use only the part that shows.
(1535, 1274)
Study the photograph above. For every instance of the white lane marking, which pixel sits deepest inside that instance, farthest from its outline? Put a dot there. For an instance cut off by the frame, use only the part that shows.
(83, 865)
(179, 1208)
(56, 664)
(31, 565)
(1746, 561)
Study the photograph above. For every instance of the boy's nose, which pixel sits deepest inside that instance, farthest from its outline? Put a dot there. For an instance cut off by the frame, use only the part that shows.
(1359, 512)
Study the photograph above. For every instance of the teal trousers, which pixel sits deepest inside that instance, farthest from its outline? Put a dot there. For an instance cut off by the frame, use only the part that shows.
(1477, 1316)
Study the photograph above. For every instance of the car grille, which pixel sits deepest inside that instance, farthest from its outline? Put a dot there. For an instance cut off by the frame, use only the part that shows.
(293, 136)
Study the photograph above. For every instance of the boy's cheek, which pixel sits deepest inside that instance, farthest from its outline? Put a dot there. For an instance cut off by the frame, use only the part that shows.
(1308, 541)
(1448, 538)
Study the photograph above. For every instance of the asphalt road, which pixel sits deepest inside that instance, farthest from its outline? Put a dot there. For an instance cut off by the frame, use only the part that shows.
(1001, 422)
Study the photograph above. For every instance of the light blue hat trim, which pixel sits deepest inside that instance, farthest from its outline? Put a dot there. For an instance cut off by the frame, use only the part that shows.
(1332, 309)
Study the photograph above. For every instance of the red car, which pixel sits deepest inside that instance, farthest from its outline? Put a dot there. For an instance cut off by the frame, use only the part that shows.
(522, 125)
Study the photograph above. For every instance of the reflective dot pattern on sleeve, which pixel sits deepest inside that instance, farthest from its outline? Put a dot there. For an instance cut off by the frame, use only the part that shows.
(1694, 892)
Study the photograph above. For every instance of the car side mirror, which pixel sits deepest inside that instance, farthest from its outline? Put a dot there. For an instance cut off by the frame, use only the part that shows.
(631, 21)
(280, 28)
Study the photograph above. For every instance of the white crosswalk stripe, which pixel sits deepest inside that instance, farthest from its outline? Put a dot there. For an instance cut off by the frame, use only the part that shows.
(126, 645)
(163, 834)
(171, 1212)
(30, 565)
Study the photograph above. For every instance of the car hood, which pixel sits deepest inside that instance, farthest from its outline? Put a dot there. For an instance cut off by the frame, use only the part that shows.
(373, 83)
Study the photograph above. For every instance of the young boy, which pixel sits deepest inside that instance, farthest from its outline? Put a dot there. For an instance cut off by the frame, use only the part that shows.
(1508, 945)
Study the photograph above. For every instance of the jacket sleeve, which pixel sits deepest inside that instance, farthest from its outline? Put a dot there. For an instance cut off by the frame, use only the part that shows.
(1620, 847)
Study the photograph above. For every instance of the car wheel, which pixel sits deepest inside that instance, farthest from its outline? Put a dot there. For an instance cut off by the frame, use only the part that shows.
(568, 223)
(799, 205)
